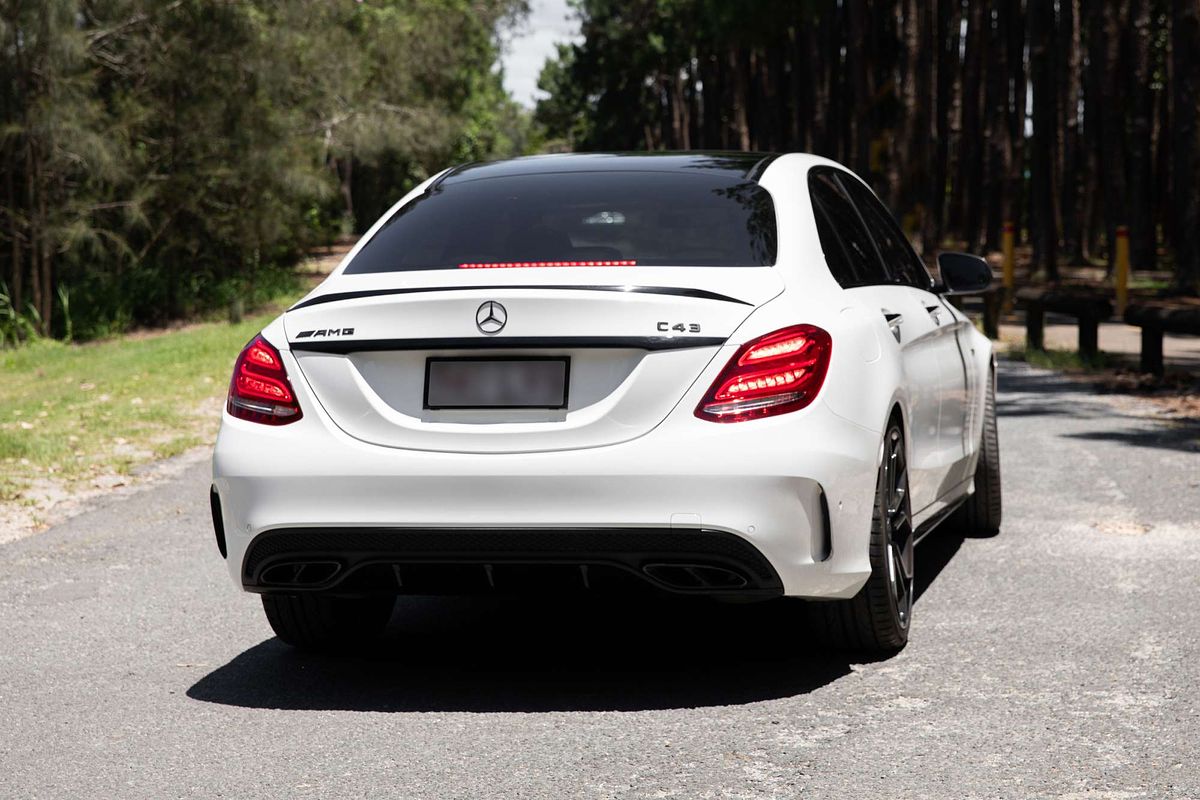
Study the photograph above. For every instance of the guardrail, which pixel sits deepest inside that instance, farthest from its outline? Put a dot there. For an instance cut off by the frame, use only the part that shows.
(1088, 308)
(1155, 319)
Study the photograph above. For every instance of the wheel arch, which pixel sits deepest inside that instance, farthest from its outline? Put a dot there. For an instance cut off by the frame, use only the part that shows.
(896, 412)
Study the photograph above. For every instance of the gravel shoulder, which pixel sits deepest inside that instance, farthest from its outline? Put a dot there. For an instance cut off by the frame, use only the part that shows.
(1058, 660)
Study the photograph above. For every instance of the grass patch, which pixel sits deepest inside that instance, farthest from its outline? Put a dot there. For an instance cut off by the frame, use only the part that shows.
(1061, 360)
(1149, 284)
(70, 412)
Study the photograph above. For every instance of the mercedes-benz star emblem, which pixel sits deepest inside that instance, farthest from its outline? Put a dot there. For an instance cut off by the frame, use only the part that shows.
(491, 317)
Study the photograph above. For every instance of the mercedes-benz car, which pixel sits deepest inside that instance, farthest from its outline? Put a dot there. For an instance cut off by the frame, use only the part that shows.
(726, 375)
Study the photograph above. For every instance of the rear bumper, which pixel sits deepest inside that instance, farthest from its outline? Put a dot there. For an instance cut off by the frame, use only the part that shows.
(796, 490)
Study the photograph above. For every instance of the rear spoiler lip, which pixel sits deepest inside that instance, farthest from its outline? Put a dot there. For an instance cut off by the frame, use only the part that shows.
(675, 291)
(347, 346)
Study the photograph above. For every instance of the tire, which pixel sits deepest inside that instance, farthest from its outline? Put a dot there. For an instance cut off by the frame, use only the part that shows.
(314, 622)
(979, 515)
(876, 620)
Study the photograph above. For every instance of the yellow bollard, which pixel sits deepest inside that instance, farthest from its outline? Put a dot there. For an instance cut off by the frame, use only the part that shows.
(1008, 246)
(1121, 275)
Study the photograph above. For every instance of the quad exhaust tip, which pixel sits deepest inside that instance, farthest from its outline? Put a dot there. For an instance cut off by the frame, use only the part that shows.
(307, 573)
(695, 577)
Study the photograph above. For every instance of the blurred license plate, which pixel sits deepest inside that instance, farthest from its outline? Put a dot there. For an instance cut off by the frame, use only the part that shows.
(496, 382)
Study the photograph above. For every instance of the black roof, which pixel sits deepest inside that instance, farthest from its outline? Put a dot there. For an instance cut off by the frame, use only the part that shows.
(733, 165)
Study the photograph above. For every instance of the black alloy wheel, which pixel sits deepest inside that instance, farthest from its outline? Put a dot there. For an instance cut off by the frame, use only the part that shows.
(897, 525)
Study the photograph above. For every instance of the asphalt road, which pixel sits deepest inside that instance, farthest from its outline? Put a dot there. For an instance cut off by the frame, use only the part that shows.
(1058, 660)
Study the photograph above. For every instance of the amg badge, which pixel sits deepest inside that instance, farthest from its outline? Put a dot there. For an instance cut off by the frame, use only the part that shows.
(325, 332)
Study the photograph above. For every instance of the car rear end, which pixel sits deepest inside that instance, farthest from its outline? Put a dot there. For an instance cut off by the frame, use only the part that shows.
(534, 378)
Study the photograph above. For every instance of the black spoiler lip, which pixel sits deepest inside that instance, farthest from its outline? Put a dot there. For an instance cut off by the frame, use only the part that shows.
(654, 343)
(674, 291)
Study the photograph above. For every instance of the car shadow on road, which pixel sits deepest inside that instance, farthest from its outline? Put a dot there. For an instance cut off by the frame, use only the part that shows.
(515, 654)
(1039, 393)
(510, 654)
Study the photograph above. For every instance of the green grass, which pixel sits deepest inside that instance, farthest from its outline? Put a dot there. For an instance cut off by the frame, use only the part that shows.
(69, 412)
(1149, 284)
(1062, 360)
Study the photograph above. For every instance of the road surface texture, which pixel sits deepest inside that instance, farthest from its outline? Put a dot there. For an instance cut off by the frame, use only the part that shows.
(1058, 660)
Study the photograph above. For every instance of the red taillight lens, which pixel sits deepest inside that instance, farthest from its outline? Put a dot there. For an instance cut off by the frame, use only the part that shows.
(260, 391)
(774, 374)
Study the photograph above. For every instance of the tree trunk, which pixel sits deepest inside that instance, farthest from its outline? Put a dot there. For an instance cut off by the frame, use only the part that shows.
(683, 120)
(345, 187)
(1164, 209)
(1070, 44)
(831, 129)
(996, 85)
(790, 129)
(45, 267)
(1045, 138)
(16, 288)
(1112, 98)
(1185, 146)
(740, 121)
(969, 187)
(695, 104)
(1014, 195)
(725, 107)
(710, 99)
(1092, 139)
(947, 27)
(35, 233)
(911, 162)
(858, 63)
(923, 114)
(1142, 235)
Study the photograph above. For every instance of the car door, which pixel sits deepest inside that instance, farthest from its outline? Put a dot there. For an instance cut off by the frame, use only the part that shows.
(940, 332)
(856, 264)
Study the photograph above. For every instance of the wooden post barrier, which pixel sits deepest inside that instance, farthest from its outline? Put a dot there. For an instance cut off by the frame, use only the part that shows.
(1152, 350)
(1035, 326)
(992, 301)
(1121, 273)
(1008, 244)
(1156, 318)
(1089, 335)
(1088, 308)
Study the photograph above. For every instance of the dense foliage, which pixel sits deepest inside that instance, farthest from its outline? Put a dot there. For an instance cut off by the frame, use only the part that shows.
(160, 157)
(1070, 117)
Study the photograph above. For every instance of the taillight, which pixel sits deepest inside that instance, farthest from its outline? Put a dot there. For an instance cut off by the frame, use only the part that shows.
(774, 374)
(260, 391)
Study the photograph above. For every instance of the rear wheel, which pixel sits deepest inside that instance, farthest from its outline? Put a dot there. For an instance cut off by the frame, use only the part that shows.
(877, 618)
(314, 622)
(979, 515)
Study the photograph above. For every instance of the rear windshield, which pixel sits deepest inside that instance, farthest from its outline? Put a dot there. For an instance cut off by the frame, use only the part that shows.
(650, 219)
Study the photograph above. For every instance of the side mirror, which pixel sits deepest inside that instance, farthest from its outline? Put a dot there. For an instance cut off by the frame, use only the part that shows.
(963, 273)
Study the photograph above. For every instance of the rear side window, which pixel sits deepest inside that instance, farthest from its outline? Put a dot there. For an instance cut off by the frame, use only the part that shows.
(653, 219)
(851, 256)
(898, 256)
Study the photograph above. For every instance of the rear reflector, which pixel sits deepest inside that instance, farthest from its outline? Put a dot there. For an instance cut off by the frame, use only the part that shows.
(512, 264)
(260, 390)
(774, 374)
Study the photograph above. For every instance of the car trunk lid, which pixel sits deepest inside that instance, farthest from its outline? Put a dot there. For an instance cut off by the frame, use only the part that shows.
(635, 341)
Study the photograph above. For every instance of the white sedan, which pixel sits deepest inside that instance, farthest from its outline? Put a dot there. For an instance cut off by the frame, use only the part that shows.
(725, 375)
